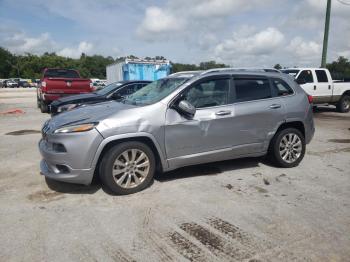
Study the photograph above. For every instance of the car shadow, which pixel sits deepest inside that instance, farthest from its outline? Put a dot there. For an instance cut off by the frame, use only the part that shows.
(324, 109)
(211, 169)
(68, 188)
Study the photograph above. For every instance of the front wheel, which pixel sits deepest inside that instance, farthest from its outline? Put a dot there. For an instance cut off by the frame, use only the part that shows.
(127, 168)
(343, 105)
(287, 148)
(43, 107)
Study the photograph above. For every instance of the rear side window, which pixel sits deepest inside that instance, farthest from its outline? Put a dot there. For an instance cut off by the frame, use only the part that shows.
(306, 75)
(321, 76)
(61, 73)
(248, 89)
(280, 87)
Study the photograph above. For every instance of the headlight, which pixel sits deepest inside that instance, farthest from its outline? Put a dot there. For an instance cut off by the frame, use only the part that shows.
(66, 107)
(76, 128)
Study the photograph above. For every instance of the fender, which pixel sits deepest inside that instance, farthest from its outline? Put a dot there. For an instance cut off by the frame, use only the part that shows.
(130, 136)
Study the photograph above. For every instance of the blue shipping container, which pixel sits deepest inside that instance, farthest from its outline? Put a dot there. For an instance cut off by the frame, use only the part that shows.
(137, 70)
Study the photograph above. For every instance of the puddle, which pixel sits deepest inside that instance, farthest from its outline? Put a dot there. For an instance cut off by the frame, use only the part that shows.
(342, 141)
(45, 196)
(23, 132)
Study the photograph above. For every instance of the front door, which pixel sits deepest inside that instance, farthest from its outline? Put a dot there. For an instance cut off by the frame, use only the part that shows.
(192, 140)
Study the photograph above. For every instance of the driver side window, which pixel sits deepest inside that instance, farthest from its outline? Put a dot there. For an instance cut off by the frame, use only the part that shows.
(209, 93)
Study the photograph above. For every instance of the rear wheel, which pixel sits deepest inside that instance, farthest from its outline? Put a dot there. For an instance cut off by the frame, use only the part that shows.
(287, 148)
(343, 105)
(127, 168)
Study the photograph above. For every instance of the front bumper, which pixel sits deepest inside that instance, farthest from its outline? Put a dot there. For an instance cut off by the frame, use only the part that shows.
(77, 176)
(74, 163)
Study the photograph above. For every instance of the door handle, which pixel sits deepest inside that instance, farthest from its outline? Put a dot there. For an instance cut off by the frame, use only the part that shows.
(275, 106)
(329, 86)
(314, 87)
(223, 113)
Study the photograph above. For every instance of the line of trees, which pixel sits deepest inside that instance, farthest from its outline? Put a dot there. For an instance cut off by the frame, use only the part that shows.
(31, 66)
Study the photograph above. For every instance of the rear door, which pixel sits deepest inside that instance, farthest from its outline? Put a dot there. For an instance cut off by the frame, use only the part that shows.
(324, 87)
(258, 112)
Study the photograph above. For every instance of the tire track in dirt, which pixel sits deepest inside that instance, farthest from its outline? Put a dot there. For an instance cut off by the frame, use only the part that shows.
(217, 245)
(235, 233)
(154, 240)
(186, 248)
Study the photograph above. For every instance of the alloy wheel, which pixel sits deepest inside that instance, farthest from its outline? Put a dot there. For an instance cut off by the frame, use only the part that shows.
(131, 168)
(290, 147)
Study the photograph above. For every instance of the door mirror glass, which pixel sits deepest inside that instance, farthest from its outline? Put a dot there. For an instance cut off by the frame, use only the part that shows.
(186, 108)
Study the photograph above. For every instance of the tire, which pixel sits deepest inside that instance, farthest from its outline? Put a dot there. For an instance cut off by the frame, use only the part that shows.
(43, 107)
(343, 105)
(117, 154)
(37, 102)
(298, 153)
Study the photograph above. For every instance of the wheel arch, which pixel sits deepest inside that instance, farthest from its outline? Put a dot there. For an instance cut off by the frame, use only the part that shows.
(148, 139)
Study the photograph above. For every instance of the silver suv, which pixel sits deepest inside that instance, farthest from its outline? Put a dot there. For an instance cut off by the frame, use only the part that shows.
(184, 119)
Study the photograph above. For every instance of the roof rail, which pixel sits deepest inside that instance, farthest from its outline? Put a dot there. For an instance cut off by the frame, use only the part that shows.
(187, 72)
(240, 69)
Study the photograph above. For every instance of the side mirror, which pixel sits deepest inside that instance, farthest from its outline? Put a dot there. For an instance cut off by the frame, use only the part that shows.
(186, 108)
(301, 81)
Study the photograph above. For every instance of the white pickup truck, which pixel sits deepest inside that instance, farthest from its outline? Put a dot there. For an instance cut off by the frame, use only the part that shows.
(318, 83)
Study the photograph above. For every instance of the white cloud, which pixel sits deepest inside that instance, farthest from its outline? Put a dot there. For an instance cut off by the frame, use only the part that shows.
(158, 21)
(245, 43)
(19, 42)
(75, 52)
(302, 48)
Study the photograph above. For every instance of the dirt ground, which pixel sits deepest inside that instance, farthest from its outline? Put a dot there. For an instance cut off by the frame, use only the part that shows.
(239, 210)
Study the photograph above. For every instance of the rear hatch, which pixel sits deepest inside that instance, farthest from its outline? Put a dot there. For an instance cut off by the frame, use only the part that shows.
(62, 81)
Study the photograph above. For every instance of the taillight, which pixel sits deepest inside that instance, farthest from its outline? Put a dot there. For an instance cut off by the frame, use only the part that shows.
(43, 84)
(310, 98)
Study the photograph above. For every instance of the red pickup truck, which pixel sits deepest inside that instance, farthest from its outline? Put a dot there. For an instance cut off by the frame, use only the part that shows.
(57, 83)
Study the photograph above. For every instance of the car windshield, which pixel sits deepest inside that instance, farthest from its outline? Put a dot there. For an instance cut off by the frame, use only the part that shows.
(292, 72)
(154, 91)
(61, 73)
(108, 89)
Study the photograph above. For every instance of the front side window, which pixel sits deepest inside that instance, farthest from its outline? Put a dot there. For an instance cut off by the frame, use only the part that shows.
(248, 89)
(321, 76)
(281, 87)
(306, 76)
(128, 90)
(208, 93)
(155, 91)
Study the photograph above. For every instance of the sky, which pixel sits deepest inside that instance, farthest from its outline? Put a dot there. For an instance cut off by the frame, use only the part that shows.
(241, 33)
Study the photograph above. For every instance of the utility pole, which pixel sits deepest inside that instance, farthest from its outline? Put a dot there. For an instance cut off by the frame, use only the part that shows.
(326, 31)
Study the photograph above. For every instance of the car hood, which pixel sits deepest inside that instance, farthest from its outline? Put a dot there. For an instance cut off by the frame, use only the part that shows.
(74, 99)
(87, 114)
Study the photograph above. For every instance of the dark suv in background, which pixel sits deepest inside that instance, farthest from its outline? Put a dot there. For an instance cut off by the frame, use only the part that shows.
(114, 91)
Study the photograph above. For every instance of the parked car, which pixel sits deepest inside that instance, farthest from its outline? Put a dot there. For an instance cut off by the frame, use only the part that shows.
(184, 119)
(23, 83)
(115, 91)
(56, 83)
(10, 83)
(318, 83)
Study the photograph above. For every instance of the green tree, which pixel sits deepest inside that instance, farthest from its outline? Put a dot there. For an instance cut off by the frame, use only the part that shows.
(277, 66)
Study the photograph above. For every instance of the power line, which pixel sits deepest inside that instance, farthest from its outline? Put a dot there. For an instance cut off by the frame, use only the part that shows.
(343, 2)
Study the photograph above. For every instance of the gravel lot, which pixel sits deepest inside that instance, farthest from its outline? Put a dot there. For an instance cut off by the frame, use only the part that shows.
(227, 211)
